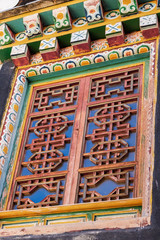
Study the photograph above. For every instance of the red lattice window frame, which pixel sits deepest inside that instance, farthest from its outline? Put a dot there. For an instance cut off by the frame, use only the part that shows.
(103, 115)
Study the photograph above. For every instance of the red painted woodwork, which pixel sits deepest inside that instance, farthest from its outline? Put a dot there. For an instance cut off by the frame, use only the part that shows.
(80, 134)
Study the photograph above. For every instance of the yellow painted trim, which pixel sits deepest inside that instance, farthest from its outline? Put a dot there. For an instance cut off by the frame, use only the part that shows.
(114, 213)
(135, 202)
(88, 74)
(65, 217)
(13, 223)
(20, 226)
(75, 29)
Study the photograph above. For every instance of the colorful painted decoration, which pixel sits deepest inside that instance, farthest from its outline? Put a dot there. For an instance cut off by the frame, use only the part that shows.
(49, 49)
(149, 26)
(93, 10)
(62, 19)
(36, 58)
(113, 28)
(11, 118)
(49, 30)
(112, 14)
(70, 64)
(88, 59)
(20, 36)
(149, 20)
(33, 26)
(128, 7)
(66, 52)
(147, 7)
(81, 41)
(99, 58)
(100, 44)
(20, 55)
(6, 35)
(134, 37)
(80, 22)
(115, 34)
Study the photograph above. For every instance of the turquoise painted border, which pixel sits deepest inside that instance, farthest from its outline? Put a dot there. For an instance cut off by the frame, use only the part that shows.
(44, 78)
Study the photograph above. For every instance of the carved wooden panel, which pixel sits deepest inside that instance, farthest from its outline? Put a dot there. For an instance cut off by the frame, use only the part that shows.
(110, 138)
(80, 142)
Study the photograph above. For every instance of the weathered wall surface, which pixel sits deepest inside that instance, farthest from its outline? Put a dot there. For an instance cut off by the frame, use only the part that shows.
(6, 77)
(29, 6)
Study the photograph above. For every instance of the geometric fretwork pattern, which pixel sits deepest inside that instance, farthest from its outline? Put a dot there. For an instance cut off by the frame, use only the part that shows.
(49, 190)
(80, 142)
(121, 177)
(44, 160)
(56, 97)
(110, 138)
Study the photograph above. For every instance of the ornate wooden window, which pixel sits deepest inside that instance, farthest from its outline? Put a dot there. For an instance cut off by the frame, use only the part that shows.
(80, 142)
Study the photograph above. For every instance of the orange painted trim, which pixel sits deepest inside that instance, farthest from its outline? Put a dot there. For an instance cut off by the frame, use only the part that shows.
(135, 202)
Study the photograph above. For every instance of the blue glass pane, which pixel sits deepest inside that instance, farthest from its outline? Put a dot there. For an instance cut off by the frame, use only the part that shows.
(105, 187)
(38, 195)
(27, 155)
(25, 172)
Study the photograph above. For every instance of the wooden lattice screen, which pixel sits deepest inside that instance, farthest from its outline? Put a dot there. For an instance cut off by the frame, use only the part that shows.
(80, 142)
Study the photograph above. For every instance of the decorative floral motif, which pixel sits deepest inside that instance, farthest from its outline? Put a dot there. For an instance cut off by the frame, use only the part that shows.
(49, 30)
(128, 52)
(112, 14)
(99, 58)
(36, 58)
(6, 35)
(44, 69)
(66, 52)
(143, 48)
(85, 61)
(31, 72)
(100, 44)
(147, 7)
(134, 37)
(89, 59)
(127, 7)
(113, 55)
(20, 36)
(70, 64)
(58, 67)
(80, 22)
(11, 118)
(93, 11)
(62, 19)
(32, 25)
